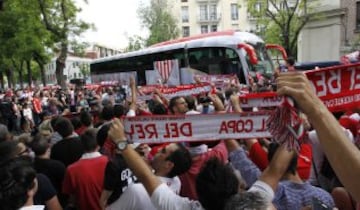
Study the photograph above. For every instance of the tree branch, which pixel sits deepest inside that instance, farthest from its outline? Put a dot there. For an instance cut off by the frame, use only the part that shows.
(297, 32)
(48, 25)
(273, 17)
(63, 11)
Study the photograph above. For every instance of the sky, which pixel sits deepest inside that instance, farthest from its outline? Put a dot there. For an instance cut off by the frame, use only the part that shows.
(115, 20)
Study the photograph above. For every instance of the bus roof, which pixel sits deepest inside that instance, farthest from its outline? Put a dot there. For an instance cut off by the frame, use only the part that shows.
(215, 39)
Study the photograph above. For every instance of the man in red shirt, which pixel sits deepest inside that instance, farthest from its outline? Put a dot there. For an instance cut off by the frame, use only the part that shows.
(37, 109)
(83, 180)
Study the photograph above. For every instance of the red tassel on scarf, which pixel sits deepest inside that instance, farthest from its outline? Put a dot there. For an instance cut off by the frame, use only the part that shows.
(285, 125)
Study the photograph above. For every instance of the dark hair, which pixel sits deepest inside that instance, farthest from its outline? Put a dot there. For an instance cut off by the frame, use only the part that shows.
(221, 97)
(64, 127)
(39, 144)
(8, 151)
(107, 112)
(119, 110)
(292, 168)
(290, 61)
(181, 159)
(16, 179)
(215, 184)
(172, 103)
(190, 100)
(85, 118)
(102, 134)
(158, 108)
(75, 121)
(88, 140)
(53, 122)
(246, 200)
(229, 92)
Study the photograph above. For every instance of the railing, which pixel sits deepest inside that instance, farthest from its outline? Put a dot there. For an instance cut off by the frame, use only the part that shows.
(209, 18)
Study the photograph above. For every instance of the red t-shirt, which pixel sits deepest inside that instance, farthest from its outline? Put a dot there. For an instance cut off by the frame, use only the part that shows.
(81, 130)
(259, 157)
(85, 179)
(188, 188)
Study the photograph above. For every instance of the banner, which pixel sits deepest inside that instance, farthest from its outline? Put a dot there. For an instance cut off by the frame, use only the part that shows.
(181, 90)
(207, 127)
(220, 80)
(338, 87)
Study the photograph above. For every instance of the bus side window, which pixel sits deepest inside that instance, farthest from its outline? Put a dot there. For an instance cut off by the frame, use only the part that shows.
(193, 60)
(141, 80)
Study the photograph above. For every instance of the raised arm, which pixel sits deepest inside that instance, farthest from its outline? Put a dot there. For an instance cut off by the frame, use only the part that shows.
(277, 167)
(133, 159)
(219, 106)
(343, 156)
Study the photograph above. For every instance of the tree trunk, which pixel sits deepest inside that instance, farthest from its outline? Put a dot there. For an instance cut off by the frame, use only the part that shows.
(21, 76)
(12, 78)
(2, 80)
(60, 65)
(8, 77)
(28, 66)
(43, 76)
(42, 72)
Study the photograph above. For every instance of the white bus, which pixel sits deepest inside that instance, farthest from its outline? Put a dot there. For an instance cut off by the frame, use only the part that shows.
(177, 61)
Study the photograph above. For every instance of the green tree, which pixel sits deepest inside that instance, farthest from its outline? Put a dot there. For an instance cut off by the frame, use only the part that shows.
(158, 19)
(282, 19)
(60, 19)
(85, 70)
(22, 37)
(135, 43)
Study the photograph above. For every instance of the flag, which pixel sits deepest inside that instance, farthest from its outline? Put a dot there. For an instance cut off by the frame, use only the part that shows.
(165, 68)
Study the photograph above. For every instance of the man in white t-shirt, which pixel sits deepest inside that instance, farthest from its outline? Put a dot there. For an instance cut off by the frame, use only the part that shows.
(163, 198)
(170, 161)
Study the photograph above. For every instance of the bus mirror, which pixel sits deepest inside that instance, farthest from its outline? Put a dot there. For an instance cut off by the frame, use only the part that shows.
(279, 48)
(250, 51)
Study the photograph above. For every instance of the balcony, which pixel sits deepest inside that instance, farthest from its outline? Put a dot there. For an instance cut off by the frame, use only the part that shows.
(209, 19)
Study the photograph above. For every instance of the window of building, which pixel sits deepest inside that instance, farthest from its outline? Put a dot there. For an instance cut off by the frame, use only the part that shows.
(213, 28)
(204, 29)
(184, 1)
(185, 14)
(358, 15)
(258, 6)
(203, 12)
(186, 31)
(213, 12)
(234, 12)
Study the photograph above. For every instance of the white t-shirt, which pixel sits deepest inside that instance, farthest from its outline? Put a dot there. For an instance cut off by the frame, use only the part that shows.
(163, 198)
(318, 153)
(192, 112)
(173, 183)
(28, 114)
(264, 189)
(134, 197)
(33, 207)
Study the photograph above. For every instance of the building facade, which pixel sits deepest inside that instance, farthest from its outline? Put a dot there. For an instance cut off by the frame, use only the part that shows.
(73, 68)
(203, 16)
(78, 67)
(335, 33)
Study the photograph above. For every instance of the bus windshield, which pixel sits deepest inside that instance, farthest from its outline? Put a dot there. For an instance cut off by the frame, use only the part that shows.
(264, 66)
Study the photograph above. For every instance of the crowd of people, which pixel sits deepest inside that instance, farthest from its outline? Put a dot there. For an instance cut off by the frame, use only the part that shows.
(67, 149)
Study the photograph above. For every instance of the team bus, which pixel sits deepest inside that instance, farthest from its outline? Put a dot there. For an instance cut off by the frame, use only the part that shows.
(176, 62)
